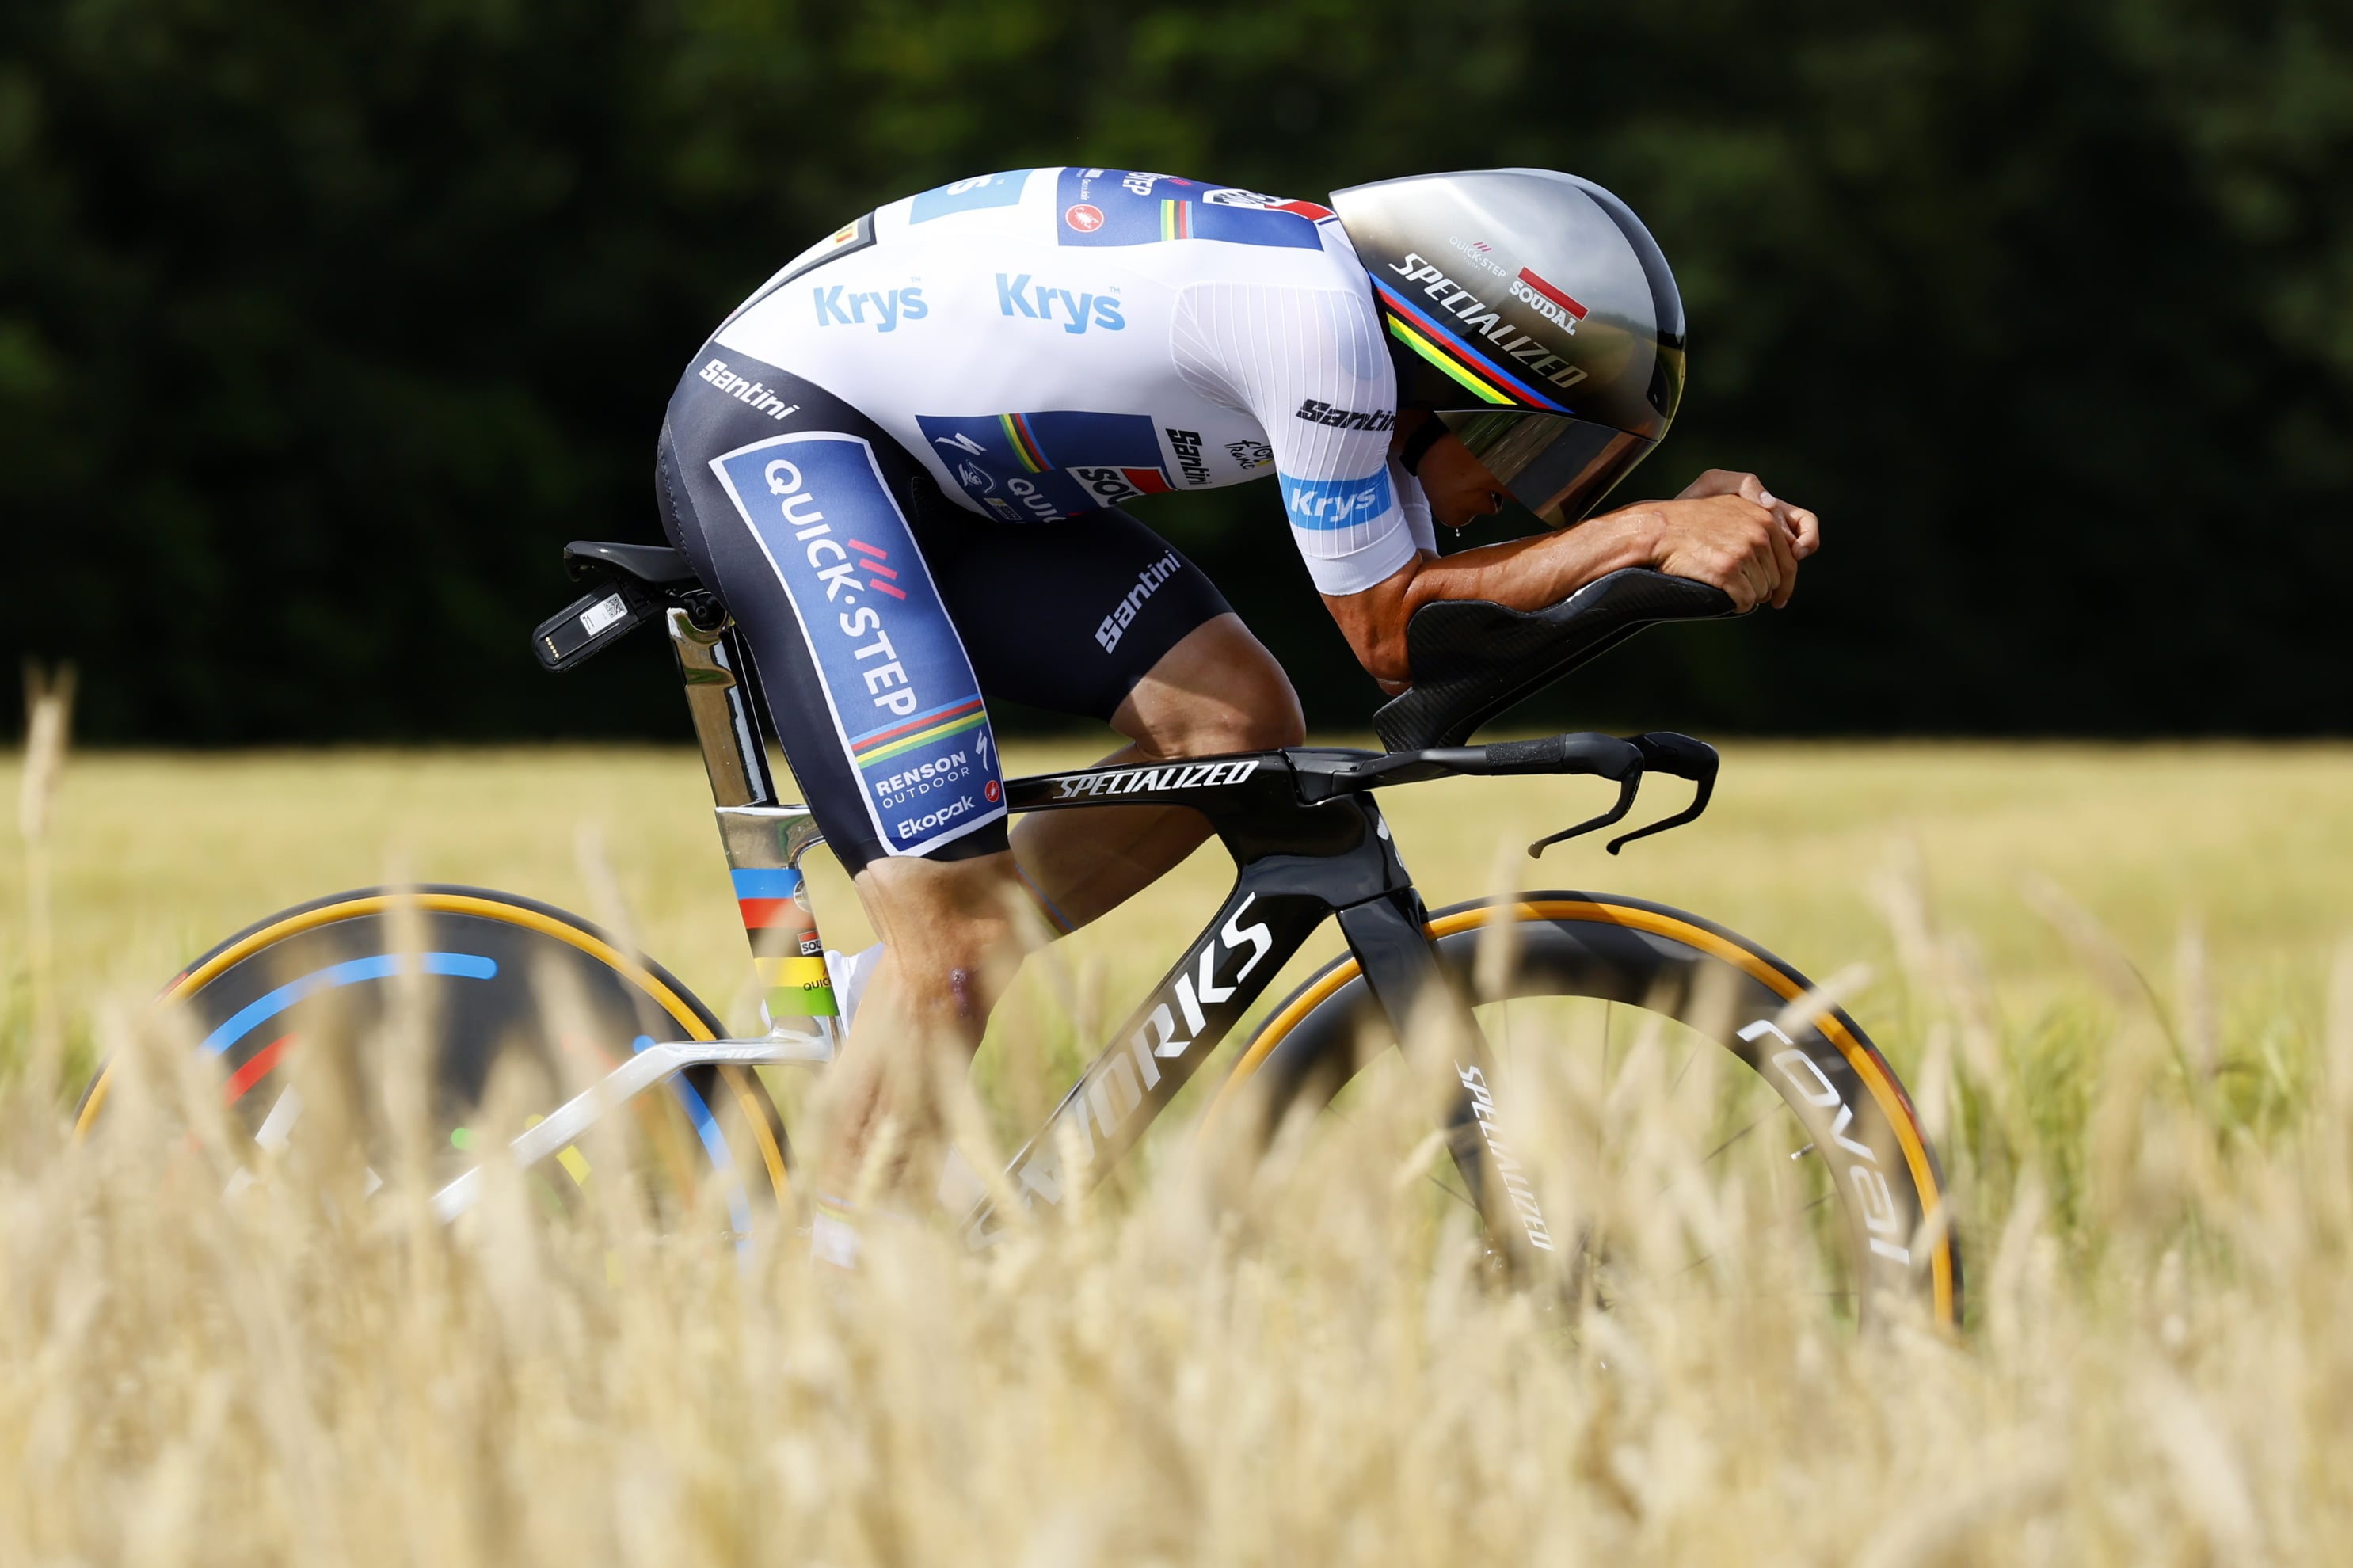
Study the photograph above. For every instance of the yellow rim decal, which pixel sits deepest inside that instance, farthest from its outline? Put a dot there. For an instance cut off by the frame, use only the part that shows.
(770, 1154)
(1866, 1067)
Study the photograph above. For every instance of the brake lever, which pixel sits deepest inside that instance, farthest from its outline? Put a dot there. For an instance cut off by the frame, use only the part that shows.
(1683, 757)
(1628, 787)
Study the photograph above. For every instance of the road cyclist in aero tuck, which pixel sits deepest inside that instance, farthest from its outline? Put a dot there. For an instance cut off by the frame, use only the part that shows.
(900, 463)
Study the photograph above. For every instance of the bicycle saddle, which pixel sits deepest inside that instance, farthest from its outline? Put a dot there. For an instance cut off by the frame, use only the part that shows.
(1471, 659)
(657, 568)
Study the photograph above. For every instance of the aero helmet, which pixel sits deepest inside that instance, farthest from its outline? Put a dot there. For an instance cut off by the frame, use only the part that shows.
(1534, 315)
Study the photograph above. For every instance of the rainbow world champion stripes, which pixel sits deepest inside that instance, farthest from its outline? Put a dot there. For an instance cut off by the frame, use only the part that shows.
(921, 730)
(787, 951)
(1418, 332)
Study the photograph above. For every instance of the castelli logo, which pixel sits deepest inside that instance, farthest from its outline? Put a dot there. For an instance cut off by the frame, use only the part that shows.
(1084, 217)
(990, 791)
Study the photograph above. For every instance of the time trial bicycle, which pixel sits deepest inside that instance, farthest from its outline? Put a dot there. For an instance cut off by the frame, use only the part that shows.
(511, 984)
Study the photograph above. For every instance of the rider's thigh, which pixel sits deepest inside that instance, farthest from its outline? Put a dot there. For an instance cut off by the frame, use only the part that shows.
(801, 514)
(1218, 690)
(1066, 615)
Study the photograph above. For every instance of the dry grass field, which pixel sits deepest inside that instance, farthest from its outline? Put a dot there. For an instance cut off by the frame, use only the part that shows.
(2116, 979)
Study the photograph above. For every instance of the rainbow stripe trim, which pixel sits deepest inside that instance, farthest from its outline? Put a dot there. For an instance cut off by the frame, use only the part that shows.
(796, 980)
(1483, 379)
(772, 914)
(765, 882)
(351, 972)
(1025, 445)
(1175, 219)
(798, 985)
(957, 717)
(795, 970)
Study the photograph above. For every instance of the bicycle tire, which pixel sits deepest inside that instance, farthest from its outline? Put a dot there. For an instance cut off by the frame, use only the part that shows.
(1654, 958)
(324, 967)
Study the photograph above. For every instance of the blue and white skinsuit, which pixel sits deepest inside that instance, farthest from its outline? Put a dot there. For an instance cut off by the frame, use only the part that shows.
(900, 465)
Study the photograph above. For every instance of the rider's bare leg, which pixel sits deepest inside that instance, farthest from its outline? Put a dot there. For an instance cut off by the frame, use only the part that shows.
(949, 931)
(950, 942)
(1217, 690)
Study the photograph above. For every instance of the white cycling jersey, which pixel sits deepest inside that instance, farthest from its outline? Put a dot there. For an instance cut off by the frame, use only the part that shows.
(1054, 341)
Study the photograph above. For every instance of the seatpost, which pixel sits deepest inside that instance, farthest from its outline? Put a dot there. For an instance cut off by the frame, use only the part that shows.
(764, 838)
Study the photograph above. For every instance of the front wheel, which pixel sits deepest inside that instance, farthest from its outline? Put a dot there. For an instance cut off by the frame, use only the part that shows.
(503, 988)
(1608, 1020)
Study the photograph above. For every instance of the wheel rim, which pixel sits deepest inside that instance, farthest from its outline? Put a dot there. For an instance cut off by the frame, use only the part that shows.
(1883, 1162)
(631, 1004)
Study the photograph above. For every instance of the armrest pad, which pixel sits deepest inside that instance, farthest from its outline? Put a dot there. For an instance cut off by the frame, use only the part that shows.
(1471, 659)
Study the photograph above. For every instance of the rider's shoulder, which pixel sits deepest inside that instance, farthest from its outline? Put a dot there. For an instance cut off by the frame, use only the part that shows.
(1142, 219)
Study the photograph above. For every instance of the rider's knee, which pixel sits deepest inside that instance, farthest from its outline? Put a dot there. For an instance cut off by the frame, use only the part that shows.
(1272, 720)
(1223, 693)
(1259, 712)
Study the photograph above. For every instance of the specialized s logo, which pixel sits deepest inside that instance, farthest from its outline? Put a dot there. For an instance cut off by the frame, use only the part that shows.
(1328, 505)
(968, 196)
(1076, 313)
(838, 307)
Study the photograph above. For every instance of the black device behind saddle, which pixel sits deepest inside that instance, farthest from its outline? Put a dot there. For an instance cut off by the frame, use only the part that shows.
(1471, 659)
(629, 584)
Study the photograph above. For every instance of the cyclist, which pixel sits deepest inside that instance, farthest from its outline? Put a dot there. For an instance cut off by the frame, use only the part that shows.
(900, 465)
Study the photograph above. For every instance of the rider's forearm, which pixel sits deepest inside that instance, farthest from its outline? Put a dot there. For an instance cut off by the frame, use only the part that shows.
(1529, 574)
(1520, 575)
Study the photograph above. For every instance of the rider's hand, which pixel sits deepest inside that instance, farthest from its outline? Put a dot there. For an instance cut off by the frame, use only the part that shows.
(1727, 541)
(1805, 530)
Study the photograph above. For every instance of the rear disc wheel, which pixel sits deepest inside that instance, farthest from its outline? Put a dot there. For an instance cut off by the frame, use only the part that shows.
(499, 987)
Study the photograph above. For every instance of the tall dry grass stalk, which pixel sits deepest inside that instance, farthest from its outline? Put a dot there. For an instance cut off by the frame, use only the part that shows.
(49, 720)
(1294, 1359)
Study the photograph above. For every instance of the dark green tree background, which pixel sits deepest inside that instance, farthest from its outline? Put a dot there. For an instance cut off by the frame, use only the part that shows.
(322, 327)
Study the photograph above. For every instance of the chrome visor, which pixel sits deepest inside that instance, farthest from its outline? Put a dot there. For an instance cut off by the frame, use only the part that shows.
(1559, 467)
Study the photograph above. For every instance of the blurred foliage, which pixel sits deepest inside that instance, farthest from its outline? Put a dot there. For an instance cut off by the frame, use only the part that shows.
(322, 328)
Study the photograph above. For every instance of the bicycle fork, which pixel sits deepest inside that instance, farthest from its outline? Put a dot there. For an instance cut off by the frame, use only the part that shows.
(1425, 1008)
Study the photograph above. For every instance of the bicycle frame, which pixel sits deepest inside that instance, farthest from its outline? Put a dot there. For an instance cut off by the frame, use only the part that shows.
(1304, 845)
(1301, 854)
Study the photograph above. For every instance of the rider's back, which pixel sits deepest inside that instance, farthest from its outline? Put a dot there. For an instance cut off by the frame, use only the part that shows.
(1049, 342)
